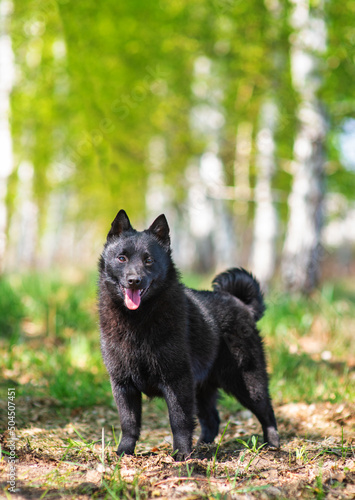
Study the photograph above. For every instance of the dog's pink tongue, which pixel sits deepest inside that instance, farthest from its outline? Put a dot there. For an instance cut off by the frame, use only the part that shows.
(132, 299)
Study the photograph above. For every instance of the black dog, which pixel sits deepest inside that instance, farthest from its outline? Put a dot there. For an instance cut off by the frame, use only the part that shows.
(163, 339)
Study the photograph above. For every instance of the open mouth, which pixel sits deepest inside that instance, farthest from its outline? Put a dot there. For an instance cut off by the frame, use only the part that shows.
(132, 297)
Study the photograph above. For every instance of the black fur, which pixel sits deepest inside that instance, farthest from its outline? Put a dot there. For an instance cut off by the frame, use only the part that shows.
(163, 339)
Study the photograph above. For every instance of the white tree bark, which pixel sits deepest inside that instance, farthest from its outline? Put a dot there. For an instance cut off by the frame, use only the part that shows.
(263, 257)
(243, 150)
(265, 220)
(301, 253)
(209, 221)
(7, 72)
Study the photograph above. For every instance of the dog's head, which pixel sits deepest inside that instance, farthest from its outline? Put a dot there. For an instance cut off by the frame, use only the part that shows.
(134, 264)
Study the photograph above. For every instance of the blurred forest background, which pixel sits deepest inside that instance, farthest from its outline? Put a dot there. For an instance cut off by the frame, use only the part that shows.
(236, 119)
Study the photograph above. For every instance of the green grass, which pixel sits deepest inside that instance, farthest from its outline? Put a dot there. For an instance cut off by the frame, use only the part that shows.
(51, 345)
(49, 341)
(308, 344)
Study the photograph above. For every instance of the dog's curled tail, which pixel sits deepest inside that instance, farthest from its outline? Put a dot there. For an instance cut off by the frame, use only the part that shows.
(244, 286)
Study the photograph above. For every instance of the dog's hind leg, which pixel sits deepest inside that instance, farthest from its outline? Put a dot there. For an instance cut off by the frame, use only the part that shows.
(249, 384)
(252, 393)
(206, 397)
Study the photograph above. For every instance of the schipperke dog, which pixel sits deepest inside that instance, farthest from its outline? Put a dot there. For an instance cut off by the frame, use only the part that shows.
(161, 338)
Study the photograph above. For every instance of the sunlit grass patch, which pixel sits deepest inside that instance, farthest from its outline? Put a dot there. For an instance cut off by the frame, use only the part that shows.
(51, 346)
(308, 342)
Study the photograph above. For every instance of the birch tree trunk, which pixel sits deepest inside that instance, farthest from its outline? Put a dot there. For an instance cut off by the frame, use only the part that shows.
(243, 150)
(6, 80)
(263, 256)
(209, 221)
(265, 219)
(301, 252)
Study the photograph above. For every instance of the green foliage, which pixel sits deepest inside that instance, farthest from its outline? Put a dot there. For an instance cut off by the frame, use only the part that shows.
(253, 447)
(229, 402)
(59, 306)
(12, 310)
(197, 281)
(59, 317)
(290, 325)
(115, 487)
(97, 81)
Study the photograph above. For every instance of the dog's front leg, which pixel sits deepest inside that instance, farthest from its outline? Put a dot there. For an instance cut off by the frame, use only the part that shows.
(129, 404)
(179, 396)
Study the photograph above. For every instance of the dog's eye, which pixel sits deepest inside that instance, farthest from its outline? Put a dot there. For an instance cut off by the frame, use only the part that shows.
(122, 258)
(149, 260)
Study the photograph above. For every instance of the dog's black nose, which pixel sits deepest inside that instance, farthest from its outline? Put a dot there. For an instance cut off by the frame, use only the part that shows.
(134, 280)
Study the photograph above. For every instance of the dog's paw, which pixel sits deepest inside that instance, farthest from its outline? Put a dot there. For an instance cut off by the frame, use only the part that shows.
(181, 456)
(123, 450)
(272, 438)
(203, 440)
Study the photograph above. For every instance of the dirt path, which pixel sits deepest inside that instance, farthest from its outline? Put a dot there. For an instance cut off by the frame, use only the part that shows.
(60, 456)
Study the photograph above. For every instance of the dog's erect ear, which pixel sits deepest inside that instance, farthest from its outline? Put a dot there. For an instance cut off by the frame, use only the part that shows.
(120, 224)
(160, 229)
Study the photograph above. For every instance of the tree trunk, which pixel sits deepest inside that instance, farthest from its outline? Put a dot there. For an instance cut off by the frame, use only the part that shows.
(265, 219)
(6, 80)
(301, 253)
(243, 150)
(209, 220)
